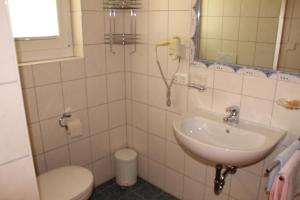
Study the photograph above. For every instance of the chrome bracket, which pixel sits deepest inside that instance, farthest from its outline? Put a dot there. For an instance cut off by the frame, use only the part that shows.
(62, 119)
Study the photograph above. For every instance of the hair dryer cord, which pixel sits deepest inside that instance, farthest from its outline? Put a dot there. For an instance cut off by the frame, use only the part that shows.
(168, 85)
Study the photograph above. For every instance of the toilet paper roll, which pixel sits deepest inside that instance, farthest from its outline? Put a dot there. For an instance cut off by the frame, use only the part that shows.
(74, 127)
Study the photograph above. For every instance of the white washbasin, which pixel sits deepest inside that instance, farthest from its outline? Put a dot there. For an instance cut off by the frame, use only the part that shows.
(207, 136)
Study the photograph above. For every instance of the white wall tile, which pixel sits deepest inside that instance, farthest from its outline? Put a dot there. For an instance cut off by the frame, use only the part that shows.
(162, 58)
(158, 27)
(143, 167)
(75, 95)
(30, 105)
(80, 152)
(116, 86)
(93, 33)
(244, 185)
(194, 168)
(128, 112)
(157, 92)
(259, 87)
(53, 135)
(98, 119)
(287, 90)
(157, 148)
(286, 119)
(49, 101)
(180, 24)
(174, 183)
(180, 5)
(156, 174)
(256, 110)
(141, 26)
(140, 141)
(40, 164)
(36, 139)
(283, 118)
(26, 76)
(57, 158)
(94, 60)
(72, 69)
(117, 115)
(46, 73)
(229, 82)
(175, 157)
(222, 100)
(170, 132)
(210, 194)
(139, 60)
(96, 90)
(128, 85)
(193, 190)
(157, 121)
(158, 5)
(115, 62)
(179, 97)
(117, 138)
(139, 115)
(139, 88)
(92, 5)
(100, 145)
(199, 100)
(102, 171)
(203, 75)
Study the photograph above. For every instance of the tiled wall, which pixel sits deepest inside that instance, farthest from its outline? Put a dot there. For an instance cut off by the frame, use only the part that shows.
(161, 160)
(93, 88)
(289, 59)
(16, 165)
(246, 29)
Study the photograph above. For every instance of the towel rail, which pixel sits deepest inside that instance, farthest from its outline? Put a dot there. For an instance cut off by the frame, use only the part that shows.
(273, 166)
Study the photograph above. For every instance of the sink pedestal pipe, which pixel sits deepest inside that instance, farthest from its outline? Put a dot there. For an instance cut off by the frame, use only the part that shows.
(220, 177)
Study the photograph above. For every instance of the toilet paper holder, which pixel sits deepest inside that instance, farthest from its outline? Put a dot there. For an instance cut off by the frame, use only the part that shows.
(61, 120)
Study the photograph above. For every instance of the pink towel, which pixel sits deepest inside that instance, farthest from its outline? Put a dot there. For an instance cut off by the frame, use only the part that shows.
(287, 184)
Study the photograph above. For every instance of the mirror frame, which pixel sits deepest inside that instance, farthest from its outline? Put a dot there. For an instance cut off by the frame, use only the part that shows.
(196, 14)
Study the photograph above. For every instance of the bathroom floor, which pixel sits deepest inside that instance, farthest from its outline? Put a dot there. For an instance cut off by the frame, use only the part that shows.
(142, 190)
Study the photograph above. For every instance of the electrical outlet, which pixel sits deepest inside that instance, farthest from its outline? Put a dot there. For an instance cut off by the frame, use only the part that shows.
(181, 78)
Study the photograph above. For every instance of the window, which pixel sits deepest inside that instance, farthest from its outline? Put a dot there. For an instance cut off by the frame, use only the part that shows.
(41, 28)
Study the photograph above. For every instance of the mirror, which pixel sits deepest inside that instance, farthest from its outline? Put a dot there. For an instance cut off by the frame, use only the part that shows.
(254, 33)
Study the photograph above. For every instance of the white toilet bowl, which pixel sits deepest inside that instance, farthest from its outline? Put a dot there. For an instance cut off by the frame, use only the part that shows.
(66, 183)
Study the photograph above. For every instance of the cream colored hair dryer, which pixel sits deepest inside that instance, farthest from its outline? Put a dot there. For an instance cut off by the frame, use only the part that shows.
(176, 49)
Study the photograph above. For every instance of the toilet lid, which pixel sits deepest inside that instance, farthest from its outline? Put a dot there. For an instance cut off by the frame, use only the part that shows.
(72, 182)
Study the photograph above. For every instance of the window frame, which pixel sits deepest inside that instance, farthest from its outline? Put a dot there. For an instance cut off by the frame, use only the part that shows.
(31, 49)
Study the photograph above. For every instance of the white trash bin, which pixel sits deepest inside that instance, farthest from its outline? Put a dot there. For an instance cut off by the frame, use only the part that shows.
(126, 167)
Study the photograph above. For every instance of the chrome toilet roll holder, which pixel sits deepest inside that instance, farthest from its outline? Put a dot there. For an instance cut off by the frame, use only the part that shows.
(62, 119)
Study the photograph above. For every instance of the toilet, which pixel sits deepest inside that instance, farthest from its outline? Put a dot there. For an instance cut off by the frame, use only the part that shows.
(66, 183)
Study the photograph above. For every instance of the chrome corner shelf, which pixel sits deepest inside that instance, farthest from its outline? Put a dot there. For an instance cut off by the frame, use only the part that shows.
(112, 37)
(122, 4)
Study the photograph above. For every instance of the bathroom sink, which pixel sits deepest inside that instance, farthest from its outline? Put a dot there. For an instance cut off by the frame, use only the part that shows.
(207, 136)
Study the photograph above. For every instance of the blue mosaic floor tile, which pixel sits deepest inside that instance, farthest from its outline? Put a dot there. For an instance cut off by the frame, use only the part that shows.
(148, 191)
(131, 196)
(164, 196)
(142, 190)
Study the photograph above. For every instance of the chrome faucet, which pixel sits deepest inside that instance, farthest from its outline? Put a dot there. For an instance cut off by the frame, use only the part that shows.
(233, 116)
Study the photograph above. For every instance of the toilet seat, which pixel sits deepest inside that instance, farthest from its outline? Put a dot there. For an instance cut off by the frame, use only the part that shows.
(66, 183)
